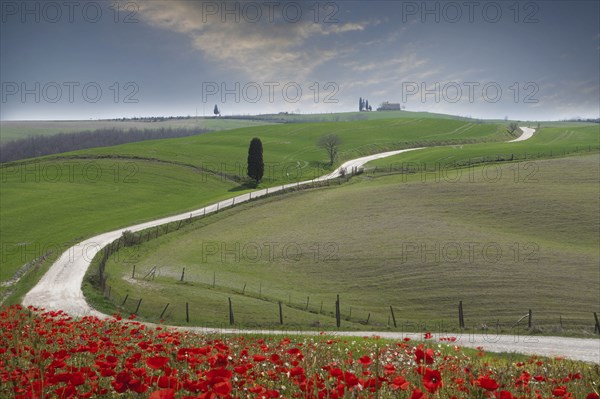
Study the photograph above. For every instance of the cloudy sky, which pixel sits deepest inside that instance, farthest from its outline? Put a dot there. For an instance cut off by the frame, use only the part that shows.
(527, 60)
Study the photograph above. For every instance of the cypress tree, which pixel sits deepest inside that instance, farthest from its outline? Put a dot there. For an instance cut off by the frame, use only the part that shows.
(256, 165)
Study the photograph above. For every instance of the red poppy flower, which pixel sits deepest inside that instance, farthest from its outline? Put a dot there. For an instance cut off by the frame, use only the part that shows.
(222, 388)
(426, 356)
(505, 395)
(400, 383)
(350, 379)
(218, 375)
(416, 394)
(259, 358)
(432, 380)
(163, 394)
(559, 391)
(365, 360)
(487, 383)
(157, 362)
(77, 379)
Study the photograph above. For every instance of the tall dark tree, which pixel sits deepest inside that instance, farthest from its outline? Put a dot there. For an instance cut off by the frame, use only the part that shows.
(360, 104)
(366, 105)
(216, 111)
(256, 165)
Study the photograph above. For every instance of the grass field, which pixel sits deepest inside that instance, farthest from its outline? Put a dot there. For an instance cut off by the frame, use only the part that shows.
(46, 206)
(502, 246)
(12, 130)
(168, 179)
(291, 148)
(546, 142)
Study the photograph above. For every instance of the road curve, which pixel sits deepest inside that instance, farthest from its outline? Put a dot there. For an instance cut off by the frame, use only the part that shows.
(60, 287)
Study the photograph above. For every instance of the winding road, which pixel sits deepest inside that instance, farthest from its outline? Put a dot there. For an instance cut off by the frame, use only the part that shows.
(60, 287)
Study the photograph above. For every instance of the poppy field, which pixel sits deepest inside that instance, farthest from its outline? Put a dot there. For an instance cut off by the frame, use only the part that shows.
(47, 354)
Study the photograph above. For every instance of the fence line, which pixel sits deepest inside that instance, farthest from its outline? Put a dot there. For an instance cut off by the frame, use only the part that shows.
(133, 305)
(497, 158)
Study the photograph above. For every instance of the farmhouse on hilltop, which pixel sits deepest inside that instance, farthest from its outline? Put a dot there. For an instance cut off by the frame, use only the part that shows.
(387, 106)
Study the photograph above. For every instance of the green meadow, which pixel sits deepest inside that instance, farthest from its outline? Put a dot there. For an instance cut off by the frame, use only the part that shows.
(292, 148)
(50, 202)
(523, 238)
(547, 142)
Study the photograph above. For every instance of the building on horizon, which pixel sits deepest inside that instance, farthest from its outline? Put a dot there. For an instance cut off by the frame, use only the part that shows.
(387, 106)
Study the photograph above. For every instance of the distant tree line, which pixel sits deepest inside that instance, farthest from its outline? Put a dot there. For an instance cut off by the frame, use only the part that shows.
(592, 120)
(148, 118)
(36, 146)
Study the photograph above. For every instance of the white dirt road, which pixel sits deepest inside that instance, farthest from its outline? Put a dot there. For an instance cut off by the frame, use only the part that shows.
(60, 287)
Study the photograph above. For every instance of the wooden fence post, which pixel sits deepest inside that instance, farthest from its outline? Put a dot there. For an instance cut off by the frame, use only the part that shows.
(187, 312)
(461, 316)
(597, 329)
(182, 274)
(307, 299)
(280, 314)
(393, 316)
(368, 317)
(163, 312)
(530, 319)
(337, 311)
(138, 306)
(125, 300)
(231, 321)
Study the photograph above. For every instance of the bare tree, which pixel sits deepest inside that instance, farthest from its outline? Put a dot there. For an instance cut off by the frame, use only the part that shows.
(512, 127)
(330, 143)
